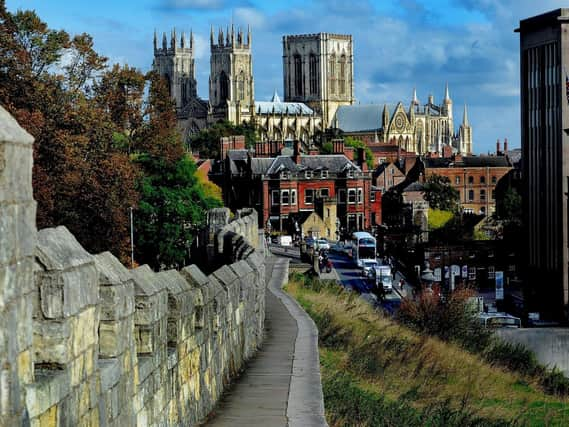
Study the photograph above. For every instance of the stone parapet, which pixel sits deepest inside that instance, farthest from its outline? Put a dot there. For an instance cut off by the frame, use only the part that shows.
(86, 342)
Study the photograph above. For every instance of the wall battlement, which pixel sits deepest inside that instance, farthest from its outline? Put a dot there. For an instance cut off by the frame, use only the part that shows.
(86, 342)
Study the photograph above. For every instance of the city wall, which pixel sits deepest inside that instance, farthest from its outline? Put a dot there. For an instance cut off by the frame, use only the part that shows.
(86, 342)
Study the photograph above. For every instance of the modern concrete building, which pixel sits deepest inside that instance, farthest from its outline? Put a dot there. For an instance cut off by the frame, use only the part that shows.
(544, 83)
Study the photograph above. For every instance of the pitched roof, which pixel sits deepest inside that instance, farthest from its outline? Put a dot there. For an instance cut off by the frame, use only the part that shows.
(414, 186)
(334, 163)
(358, 118)
(275, 105)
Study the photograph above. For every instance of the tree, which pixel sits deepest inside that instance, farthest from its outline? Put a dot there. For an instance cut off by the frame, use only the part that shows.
(356, 143)
(439, 193)
(206, 142)
(173, 203)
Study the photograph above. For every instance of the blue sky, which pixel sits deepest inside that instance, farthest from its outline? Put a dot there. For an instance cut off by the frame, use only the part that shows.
(399, 44)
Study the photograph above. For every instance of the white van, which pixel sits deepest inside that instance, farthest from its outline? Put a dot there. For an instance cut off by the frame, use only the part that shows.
(383, 277)
(285, 240)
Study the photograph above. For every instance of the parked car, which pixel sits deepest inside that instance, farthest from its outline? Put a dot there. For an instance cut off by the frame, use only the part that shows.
(323, 244)
(499, 320)
(309, 241)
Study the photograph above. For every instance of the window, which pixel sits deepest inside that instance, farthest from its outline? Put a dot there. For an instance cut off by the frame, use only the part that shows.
(471, 273)
(471, 180)
(285, 175)
(352, 196)
(275, 197)
(457, 180)
(491, 272)
(342, 196)
(342, 77)
(308, 174)
(285, 200)
(309, 196)
(494, 180)
(468, 210)
(470, 195)
(350, 173)
(332, 74)
(482, 210)
(482, 180)
(223, 86)
(241, 86)
(493, 194)
(372, 196)
(324, 192)
(313, 68)
(324, 174)
(360, 195)
(482, 195)
(298, 75)
(293, 197)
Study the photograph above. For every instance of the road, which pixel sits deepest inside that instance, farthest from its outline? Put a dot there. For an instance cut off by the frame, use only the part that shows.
(352, 279)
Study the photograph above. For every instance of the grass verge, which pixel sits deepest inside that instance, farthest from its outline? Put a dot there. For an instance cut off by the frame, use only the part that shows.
(376, 372)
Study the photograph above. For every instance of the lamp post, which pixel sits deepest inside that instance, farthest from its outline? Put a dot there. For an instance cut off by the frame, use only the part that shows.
(337, 229)
(131, 239)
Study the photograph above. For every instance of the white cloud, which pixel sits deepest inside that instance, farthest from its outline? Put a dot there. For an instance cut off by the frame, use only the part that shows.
(250, 16)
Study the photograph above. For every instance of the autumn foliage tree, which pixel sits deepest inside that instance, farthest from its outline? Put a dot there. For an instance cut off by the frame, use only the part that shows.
(98, 147)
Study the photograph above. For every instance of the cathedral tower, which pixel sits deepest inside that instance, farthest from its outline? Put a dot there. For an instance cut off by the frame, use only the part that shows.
(231, 90)
(318, 70)
(446, 110)
(176, 64)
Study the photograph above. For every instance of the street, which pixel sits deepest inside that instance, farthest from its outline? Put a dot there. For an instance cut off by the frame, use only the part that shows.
(351, 278)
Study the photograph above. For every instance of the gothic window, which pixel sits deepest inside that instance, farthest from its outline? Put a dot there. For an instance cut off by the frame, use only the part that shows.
(333, 74)
(168, 84)
(342, 77)
(298, 74)
(313, 74)
(241, 86)
(223, 86)
(184, 94)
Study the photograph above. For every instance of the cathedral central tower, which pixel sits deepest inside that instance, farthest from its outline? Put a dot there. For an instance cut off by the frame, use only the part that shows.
(231, 93)
(318, 70)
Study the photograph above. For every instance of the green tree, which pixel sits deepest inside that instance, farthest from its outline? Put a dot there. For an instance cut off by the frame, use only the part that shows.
(440, 194)
(173, 202)
(206, 142)
(356, 143)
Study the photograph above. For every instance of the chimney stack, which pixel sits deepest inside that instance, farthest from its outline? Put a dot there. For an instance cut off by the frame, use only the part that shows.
(362, 159)
(506, 146)
(498, 147)
(296, 152)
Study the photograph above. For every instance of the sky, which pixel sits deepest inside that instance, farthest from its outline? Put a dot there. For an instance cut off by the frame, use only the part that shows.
(398, 45)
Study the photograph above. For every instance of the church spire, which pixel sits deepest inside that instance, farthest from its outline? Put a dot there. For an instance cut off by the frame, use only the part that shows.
(191, 39)
(465, 117)
(447, 96)
(164, 41)
(211, 36)
(415, 99)
(155, 39)
(248, 35)
(183, 40)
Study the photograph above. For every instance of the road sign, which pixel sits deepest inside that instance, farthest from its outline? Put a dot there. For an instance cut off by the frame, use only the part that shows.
(465, 272)
(437, 274)
(499, 285)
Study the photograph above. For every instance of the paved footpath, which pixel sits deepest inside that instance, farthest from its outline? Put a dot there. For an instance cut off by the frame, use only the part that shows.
(281, 384)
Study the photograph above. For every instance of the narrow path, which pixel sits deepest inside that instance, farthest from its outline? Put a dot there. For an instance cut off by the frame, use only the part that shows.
(268, 389)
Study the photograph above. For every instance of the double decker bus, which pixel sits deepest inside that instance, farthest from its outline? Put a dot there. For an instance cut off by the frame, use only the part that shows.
(363, 247)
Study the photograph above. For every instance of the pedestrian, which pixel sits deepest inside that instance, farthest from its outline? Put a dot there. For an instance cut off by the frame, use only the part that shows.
(401, 283)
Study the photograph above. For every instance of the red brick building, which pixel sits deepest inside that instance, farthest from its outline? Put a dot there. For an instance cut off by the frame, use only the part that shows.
(285, 190)
(475, 178)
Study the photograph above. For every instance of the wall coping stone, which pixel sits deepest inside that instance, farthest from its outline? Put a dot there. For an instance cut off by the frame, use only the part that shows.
(58, 249)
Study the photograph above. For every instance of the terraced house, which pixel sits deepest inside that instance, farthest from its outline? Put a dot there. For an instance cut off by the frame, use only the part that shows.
(286, 187)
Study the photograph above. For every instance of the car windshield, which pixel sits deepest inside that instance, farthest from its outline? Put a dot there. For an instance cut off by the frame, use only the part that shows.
(370, 263)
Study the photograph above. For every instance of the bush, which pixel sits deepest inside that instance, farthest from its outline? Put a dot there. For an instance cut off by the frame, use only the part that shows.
(450, 319)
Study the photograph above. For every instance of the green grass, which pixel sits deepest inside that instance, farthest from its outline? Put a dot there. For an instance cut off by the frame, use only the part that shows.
(378, 372)
(438, 218)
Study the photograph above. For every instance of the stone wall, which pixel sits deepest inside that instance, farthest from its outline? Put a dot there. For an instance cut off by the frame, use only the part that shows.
(86, 342)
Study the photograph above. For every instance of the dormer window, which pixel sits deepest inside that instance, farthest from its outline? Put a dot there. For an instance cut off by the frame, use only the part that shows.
(350, 173)
(308, 174)
(324, 174)
(285, 175)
